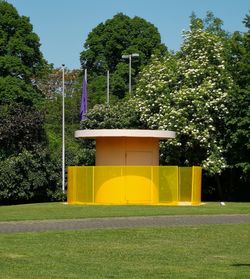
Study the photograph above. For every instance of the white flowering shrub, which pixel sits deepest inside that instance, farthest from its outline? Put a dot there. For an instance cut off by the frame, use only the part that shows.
(188, 93)
(155, 83)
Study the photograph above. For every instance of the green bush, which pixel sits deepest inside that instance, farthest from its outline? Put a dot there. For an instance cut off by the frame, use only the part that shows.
(122, 115)
(29, 177)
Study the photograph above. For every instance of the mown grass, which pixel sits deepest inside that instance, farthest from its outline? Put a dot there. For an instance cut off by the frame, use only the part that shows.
(45, 211)
(214, 251)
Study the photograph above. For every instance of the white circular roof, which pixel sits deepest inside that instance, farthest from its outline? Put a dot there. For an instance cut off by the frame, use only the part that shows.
(160, 134)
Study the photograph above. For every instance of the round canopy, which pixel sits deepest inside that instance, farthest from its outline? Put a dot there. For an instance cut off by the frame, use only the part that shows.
(131, 133)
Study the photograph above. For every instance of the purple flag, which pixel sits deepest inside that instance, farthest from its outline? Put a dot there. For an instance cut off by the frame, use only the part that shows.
(84, 99)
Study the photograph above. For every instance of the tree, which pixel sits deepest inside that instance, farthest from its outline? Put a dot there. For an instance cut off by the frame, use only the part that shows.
(20, 54)
(122, 115)
(238, 135)
(188, 93)
(23, 142)
(29, 176)
(210, 23)
(28, 134)
(20, 61)
(108, 41)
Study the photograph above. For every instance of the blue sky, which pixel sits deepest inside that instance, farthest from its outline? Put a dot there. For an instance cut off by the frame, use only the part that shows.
(63, 25)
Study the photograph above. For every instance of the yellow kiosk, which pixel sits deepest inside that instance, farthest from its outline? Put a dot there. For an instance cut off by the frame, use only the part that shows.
(127, 171)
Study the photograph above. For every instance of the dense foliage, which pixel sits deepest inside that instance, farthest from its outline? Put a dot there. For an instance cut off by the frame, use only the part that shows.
(238, 121)
(30, 176)
(21, 115)
(120, 116)
(20, 54)
(191, 99)
(23, 167)
(104, 48)
(204, 97)
(202, 92)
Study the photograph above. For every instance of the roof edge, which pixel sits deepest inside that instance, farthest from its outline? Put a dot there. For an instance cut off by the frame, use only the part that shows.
(133, 133)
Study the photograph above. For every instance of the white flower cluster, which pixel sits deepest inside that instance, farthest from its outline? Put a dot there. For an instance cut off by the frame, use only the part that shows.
(188, 94)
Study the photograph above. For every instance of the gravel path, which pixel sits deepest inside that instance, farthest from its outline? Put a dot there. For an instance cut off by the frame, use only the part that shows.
(121, 222)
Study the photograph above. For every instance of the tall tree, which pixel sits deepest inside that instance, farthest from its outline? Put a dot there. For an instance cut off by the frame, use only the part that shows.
(188, 93)
(22, 134)
(20, 54)
(210, 23)
(237, 140)
(108, 41)
(20, 61)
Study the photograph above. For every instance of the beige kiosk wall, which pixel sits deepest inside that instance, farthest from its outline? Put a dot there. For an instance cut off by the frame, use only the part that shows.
(125, 151)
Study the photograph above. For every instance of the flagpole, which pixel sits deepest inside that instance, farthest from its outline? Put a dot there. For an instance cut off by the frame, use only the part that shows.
(107, 87)
(63, 133)
(85, 76)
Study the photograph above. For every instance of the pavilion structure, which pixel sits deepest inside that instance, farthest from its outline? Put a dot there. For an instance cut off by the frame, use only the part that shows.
(127, 171)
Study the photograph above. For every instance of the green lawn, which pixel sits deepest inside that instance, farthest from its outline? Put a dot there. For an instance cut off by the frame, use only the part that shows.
(62, 211)
(214, 251)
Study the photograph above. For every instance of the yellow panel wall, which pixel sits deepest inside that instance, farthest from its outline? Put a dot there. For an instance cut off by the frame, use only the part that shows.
(185, 184)
(134, 185)
(108, 185)
(168, 184)
(139, 185)
(196, 185)
(80, 184)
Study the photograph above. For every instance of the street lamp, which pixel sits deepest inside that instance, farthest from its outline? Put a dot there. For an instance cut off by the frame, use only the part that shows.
(129, 56)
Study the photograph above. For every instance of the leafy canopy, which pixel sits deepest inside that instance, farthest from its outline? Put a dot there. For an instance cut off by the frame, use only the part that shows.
(188, 93)
(106, 44)
(21, 61)
(20, 55)
(238, 122)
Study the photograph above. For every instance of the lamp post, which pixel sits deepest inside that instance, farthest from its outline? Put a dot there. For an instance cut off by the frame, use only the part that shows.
(129, 57)
(63, 135)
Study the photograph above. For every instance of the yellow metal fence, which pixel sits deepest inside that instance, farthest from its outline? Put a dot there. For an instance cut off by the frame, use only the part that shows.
(170, 185)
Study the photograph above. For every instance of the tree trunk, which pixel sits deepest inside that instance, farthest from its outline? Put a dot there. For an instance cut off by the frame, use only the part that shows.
(219, 188)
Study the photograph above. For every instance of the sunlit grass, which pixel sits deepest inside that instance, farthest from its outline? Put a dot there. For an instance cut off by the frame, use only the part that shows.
(214, 251)
(63, 211)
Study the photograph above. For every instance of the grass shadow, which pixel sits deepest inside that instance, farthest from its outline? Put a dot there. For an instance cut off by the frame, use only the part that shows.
(240, 264)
